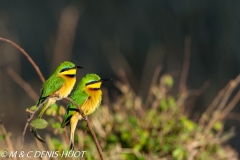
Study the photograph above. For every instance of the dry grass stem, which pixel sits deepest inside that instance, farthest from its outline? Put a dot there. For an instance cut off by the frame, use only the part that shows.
(186, 64)
(221, 99)
(223, 109)
(153, 83)
(7, 138)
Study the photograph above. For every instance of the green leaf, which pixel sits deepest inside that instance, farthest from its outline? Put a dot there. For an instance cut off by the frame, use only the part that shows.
(171, 101)
(167, 147)
(132, 120)
(56, 125)
(163, 104)
(179, 154)
(39, 123)
(33, 108)
(188, 124)
(2, 136)
(112, 138)
(218, 126)
(167, 80)
(52, 110)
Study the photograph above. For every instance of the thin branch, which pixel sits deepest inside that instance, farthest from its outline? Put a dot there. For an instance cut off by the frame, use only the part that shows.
(222, 112)
(26, 55)
(213, 105)
(231, 105)
(232, 86)
(186, 64)
(220, 100)
(221, 115)
(89, 127)
(27, 88)
(31, 117)
(194, 94)
(122, 75)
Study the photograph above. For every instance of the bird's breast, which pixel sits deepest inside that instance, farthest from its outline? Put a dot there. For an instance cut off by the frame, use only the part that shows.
(94, 100)
(67, 87)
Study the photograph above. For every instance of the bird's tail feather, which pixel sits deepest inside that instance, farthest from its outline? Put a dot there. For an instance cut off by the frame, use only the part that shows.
(46, 105)
(41, 100)
(73, 124)
(72, 141)
(71, 146)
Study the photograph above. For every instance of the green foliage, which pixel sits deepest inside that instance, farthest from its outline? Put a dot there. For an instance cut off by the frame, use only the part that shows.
(167, 81)
(2, 136)
(52, 110)
(218, 126)
(58, 145)
(39, 123)
(179, 153)
(128, 129)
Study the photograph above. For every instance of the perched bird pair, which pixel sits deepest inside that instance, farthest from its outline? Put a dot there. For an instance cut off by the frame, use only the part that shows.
(58, 86)
(87, 94)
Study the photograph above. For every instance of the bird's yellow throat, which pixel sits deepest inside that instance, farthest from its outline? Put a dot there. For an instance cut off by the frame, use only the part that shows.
(72, 71)
(96, 85)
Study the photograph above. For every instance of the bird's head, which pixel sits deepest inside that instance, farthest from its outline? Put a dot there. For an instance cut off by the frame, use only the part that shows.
(67, 68)
(93, 81)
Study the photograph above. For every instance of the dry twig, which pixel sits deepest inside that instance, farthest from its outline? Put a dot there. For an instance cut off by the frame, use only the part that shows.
(31, 117)
(26, 55)
(222, 109)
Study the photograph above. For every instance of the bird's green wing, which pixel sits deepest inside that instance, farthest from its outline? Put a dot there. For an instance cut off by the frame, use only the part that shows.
(80, 99)
(49, 87)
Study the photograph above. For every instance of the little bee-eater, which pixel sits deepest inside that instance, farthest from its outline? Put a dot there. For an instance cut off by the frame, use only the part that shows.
(59, 85)
(88, 96)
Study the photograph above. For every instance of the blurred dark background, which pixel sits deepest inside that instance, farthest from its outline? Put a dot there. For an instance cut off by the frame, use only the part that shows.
(105, 36)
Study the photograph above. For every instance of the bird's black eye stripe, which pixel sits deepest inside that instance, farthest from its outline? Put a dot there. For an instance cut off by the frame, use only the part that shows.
(64, 69)
(90, 83)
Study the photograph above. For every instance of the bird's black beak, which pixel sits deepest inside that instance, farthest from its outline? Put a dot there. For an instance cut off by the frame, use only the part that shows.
(77, 67)
(105, 79)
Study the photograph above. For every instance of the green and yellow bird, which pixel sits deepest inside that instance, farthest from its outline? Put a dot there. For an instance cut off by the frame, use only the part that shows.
(59, 85)
(88, 95)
